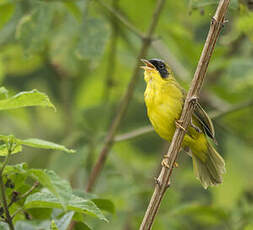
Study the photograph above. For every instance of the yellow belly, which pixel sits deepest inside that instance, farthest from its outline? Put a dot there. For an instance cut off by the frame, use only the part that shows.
(163, 108)
(163, 119)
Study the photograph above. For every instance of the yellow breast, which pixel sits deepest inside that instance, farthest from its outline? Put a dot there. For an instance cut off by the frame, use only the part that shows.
(164, 104)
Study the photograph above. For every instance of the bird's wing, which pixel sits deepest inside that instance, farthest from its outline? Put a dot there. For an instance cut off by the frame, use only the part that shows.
(202, 117)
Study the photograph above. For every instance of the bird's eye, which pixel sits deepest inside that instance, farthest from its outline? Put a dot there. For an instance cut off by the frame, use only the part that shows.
(161, 66)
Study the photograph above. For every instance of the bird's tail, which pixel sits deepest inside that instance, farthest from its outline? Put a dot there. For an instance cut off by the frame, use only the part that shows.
(210, 171)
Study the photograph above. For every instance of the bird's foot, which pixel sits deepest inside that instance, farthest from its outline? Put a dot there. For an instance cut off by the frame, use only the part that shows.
(165, 163)
(179, 125)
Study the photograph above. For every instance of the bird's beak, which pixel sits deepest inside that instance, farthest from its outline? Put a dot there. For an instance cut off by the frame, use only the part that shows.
(148, 65)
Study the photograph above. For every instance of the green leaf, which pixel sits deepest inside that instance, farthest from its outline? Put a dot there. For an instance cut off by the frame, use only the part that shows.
(11, 144)
(4, 138)
(81, 226)
(6, 12)
(48, 200)
(41, 214)
(94, 36)
(32, 225)
(33, 29)
(25, 99)
(73, 9)
(32, 142)
(104, 204)
(38, 143)
(16, 169)
(244, 24)
(4, 149)
(4, 91)
(17, 175)
(59, 187)
(64, 221)
(53, 226)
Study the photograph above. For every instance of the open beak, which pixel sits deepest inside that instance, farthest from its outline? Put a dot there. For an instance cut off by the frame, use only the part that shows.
(148, 65)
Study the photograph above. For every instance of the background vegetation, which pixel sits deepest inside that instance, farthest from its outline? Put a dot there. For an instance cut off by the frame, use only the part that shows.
(82, 57)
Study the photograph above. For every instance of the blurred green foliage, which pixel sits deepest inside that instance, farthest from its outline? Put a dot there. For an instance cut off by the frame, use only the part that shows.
(19, 196)
(63, 48)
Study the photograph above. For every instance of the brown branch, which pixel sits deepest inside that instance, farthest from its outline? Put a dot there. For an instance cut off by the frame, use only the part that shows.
(164, 177)
(109, 140)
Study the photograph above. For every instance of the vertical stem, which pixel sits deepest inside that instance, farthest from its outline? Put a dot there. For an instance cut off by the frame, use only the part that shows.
(3, 194)
(125, 101)
(164, 177)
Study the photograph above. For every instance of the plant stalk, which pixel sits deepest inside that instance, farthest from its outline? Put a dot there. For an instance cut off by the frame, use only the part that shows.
(163, 181)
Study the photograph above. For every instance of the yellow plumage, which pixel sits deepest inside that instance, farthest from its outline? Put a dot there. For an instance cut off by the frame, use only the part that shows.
(164, 99)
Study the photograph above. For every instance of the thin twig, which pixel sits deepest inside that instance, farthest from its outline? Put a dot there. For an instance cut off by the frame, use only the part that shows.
(164, 177)
(126, 99)
(24, 195)
(213, 115)
(157, 45)
(165, 53)
(214, 101)
(122, 19)
(234, 108)
(2, 187)
(160, 47)
(16, 212)
(134, 133)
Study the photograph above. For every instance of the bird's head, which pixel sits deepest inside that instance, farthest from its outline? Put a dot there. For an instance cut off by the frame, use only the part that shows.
(156, 69)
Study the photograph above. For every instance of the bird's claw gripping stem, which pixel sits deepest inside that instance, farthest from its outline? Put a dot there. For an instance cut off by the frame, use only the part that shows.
(165, 164)
(179, 125)
(194, 100)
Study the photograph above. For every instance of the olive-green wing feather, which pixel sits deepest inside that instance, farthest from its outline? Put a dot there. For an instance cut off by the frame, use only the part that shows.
(202, 117)
(200, 114)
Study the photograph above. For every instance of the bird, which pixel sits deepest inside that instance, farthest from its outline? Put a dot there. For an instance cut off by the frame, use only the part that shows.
(164, 98)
